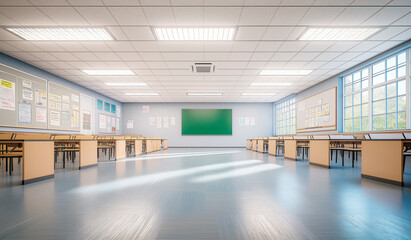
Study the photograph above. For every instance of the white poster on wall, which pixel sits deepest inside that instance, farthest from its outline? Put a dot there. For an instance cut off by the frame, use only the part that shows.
(118, 123)
(246, 121)
(130, 124)
(146, 109)
(27, 94)
(172, 121)
(55, 118)
(241, 121)
(7, 95)
(41, 115)
(166, 122)
(118, 112)
(158, 122)
(24, 113)
(252, 121)
(102, 121)
(152, 121)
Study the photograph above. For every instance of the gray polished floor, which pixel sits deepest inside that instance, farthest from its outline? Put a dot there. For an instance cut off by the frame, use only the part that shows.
(204, 194)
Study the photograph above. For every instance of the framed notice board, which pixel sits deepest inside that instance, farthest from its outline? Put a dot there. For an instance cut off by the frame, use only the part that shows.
(206, 122)
(64, 108)
(23, 99)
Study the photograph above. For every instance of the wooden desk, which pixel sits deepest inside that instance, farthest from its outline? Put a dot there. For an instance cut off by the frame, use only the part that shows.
(320, 150)
(87, 149)
(248, 144)
(290, 149)
(260, 145)
(382, 160)
(272, 147)
(165, 143)
(254, 145)
(37, 160)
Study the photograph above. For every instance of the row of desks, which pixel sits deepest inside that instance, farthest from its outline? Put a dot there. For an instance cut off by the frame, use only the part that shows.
(38, 150)
(382, 159)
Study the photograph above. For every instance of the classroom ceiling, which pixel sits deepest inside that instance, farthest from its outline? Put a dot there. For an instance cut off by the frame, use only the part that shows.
(267, 37)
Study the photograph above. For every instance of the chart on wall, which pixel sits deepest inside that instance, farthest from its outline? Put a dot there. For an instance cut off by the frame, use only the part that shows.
(64, 108)
(23, 99)
(318, 112)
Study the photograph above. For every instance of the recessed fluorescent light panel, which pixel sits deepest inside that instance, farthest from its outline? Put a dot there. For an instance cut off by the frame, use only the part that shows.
(194, 34)
(204, 94)
(259, 94)
(271, 84)
(109, 72)
(285, 72)
(62, 34)
(141, 94)
(338, 34)
(125, 84)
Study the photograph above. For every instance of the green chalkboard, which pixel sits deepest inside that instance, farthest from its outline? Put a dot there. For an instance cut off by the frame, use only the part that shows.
(206, 122)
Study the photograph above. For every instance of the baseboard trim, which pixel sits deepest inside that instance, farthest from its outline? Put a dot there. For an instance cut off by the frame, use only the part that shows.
(382, 180)
(87, 166)
(33, 180)
(319, 165)
(206, 147)
(295, 159)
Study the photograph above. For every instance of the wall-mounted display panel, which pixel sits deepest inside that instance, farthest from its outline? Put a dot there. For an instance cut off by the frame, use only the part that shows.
(318, 112)
(206, 122)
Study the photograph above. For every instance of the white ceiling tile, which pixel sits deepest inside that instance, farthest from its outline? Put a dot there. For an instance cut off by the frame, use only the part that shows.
(151, 56)
(96, 46)
(250, 33)
(217, 45)
(86, 2)
(138, 33)
(107, 56)
(5, 47)
(365, 46)
(187, 2)
(368, 3)
(15, 3)
(354, 16)
(217, 16)
(48, 46)
(262, 56)
(256, 15)
(246, 46)
(223, 2)
(342, 46)
(231, 65)
(365, 56)
(292, 46)
(283, 56)
(167, 46)
(297, 3)
(24, 45)
(347, 56)
(179, 65)
(157, 65)
(240, 56)
(155, 3)
(160, 16)
(72, 46)
(45, 56)
(386, 16)
(288, 15)
(64, 15)
(26, 16)
(189, 16)
(117, 33)
(129, 15)
(332, 3)
(96, 15)
(7, 21)
(386, 45)
(121, 2)
(129, 56)
(317, 46)
(256, 65)
(282, 33)
(6, 35)
(305, 56)
(320, 15)
(86, 56)
(268, 46)
(388, 33)
(403, 21)
(145, 46)
(136, 65)
(327, 56)
(120, 46)
(213, 56)
(64, 56)
(403, 36)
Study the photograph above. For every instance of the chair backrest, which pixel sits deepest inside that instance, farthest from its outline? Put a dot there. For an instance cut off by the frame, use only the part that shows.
(320, 137)
(340, 136)
(386, 136)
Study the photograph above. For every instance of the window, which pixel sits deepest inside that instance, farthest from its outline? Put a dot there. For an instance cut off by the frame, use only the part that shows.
(375, 96)
(285, 117)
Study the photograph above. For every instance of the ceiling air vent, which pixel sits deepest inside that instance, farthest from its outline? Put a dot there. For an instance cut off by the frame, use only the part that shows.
(203, 67)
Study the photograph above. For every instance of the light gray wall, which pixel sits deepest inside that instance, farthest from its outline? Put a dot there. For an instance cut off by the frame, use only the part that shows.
(263, 113)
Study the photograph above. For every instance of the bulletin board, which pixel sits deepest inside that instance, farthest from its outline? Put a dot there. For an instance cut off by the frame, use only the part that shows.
(318, 112)
(23, 99)
(63, 108)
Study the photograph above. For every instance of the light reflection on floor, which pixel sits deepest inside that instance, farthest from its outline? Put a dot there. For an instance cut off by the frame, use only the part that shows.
(206, 194)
